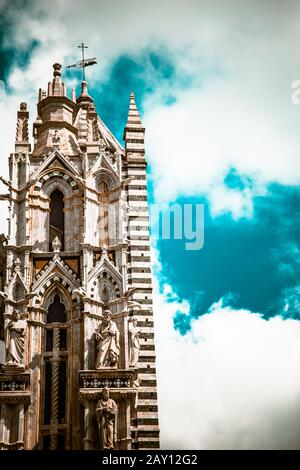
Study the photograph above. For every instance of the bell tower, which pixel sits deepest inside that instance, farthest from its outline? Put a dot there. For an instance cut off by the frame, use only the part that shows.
(78, 369)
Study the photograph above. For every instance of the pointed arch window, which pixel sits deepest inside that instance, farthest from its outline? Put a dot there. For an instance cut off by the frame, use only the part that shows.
(55, 354)
(57, 218)
(104, 295)
(103, 213)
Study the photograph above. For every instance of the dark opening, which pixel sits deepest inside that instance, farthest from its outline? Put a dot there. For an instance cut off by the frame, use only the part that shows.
(49, 340)
(56, 312)
(57, 219)
(63, 339)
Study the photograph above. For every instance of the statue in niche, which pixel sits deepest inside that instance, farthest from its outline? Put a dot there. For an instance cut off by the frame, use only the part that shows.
(15, 339)
(134, 342)
(108, 342)
(106, 413)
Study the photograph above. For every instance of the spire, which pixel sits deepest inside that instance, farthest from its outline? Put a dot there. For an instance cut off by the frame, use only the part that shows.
(56, 87)
(134, 119)
(134, 133)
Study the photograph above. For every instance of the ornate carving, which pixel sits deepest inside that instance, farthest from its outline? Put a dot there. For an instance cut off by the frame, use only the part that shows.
(56, 139)
(20, 157)
(112, 382)
(22, 124)
(17, 265)
(107, 340)
(102, 145)
(80, 292)
(12, 383)
(95, 130)
(106, 413)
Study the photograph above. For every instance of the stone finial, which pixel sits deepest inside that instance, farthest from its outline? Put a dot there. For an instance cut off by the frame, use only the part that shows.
(84, 88)
(84, 97)
(22, 123)
(56, 88)
(56, 245)
(104, 251)
(56, 70)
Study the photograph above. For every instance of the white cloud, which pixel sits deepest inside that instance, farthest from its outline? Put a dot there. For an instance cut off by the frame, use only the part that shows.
(231, 383)
(237, 111)
(194, 143)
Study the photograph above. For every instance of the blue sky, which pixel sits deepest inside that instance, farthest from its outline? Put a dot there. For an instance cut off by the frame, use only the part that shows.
(221, 131)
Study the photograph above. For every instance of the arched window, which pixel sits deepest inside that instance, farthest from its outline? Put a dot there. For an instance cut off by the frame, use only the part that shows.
(103, 214)
(55, 354)
(104, 295)
(57, 218)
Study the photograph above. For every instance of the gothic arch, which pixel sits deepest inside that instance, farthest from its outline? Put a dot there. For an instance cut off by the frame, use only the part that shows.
(62, 179)
(57, 182)
(106, 176)
(107, 281)
(106, 290)
(65, 183)
(52, 291)
(55, 280)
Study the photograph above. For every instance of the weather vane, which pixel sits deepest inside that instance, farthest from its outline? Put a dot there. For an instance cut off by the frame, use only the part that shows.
(84, 62)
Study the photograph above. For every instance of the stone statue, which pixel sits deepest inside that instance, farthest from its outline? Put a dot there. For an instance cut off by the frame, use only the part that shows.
(15, 340)
(106, 413)
(107, 340)
(134, 342)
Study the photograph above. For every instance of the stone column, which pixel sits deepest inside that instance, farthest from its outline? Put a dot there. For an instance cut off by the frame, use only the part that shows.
(87, 440)
(21, 426)
(54, 390)
(2, 424)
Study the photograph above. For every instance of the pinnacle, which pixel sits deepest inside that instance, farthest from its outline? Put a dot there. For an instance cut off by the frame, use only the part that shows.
(134, 119)
(84, 96)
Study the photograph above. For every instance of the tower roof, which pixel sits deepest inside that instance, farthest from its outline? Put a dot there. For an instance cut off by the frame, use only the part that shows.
(69, 124)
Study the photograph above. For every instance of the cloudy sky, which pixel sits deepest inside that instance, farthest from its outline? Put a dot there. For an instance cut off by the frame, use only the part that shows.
(213, 82)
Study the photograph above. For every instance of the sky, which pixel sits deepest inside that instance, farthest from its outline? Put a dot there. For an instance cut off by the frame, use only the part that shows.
(213, 82)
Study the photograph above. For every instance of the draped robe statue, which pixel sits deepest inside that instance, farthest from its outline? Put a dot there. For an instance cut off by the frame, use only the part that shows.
(15, 340)
(108, 344)
(106, 413)
(134, 342)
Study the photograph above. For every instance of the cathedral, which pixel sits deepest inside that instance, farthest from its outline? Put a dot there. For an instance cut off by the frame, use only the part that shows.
(77, 342)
